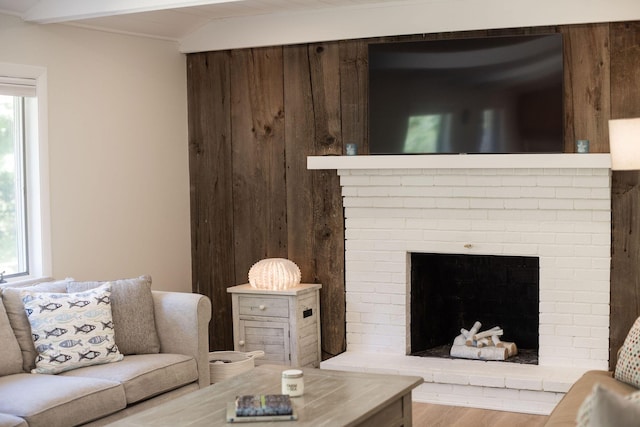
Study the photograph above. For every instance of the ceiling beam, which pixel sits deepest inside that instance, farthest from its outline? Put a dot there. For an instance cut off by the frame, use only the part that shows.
(56, 11)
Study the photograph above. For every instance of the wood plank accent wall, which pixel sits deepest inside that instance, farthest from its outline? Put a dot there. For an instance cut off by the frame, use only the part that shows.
(256, 114)
(625, 188)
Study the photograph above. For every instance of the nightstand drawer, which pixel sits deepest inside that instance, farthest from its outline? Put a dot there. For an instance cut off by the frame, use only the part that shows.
(263, 306)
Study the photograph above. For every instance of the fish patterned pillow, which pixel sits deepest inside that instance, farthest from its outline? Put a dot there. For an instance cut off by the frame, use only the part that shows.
(71, 330)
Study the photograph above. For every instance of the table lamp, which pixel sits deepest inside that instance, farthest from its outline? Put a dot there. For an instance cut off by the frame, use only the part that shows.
(624, 144)
(274, 274)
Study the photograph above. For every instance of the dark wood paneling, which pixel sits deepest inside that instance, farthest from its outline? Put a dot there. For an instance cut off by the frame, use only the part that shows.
(328, 217)
(354, 95)
(625, 251)
(259, 188)
(300, 141)
(587, 102)
(314, 214)
(211, 188)
(256, 114)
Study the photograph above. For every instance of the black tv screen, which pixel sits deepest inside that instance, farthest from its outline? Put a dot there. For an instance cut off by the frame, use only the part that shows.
(476, 95)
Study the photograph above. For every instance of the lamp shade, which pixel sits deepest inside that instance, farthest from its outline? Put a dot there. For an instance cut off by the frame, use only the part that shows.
(624, 144)
(274, 274)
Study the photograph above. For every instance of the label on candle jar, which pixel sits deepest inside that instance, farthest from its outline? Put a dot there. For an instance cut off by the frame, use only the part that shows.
(293, 382)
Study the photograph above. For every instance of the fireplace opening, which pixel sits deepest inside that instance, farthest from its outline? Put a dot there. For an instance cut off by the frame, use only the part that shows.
(453, 291)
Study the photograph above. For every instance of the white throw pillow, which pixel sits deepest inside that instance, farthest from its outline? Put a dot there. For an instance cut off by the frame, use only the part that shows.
(71, 330)
(606, 408)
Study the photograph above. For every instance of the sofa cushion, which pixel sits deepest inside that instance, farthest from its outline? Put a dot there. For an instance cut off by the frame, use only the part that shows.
(145, 375)
(605, 408)
(71, 330)
(54, 400)
(628, 364)
(20, 323)
(10, 353)
(7, 420)
(133, 316)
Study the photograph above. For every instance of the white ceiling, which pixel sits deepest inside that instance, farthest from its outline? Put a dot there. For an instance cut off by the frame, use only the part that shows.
(206, 25)
(165, 19)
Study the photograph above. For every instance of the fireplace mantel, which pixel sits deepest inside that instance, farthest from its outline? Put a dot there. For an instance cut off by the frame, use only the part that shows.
(462, 161)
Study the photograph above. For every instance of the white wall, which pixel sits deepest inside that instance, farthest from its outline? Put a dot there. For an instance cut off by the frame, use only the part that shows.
(118, 153)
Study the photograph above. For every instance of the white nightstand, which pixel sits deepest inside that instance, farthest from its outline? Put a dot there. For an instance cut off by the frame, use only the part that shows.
(283, 324)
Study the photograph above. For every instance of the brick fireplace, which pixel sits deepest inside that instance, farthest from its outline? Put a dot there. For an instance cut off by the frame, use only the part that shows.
(556, 207)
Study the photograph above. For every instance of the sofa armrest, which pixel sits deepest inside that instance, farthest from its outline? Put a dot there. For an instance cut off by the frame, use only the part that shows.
(182, 321)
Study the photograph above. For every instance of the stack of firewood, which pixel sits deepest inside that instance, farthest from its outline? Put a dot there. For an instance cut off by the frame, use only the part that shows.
(482, 345)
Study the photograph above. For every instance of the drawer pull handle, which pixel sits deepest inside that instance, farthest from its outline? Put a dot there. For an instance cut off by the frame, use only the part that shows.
(261, 307)
(241, 342)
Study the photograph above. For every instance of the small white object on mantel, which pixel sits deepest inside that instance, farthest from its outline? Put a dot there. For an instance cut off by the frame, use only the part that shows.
(463, 161)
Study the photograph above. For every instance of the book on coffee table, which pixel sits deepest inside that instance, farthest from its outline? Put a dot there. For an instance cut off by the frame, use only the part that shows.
(261, 407)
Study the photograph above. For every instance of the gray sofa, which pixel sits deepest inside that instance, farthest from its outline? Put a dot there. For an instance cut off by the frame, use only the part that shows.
(99, 394)
(566, 411)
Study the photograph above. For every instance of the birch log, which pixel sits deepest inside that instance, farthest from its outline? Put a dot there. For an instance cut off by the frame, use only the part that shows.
(474, 330)
(479, 353)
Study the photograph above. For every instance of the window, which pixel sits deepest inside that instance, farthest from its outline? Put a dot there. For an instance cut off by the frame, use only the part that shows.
(13, 209)
(24, 223)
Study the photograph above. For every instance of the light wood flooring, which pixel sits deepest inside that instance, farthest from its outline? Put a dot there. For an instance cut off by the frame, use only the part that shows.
(429, 415)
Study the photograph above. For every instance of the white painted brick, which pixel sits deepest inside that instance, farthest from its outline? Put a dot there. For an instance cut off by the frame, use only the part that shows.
(556, 204)
(555, 296)
(452, 203)
(593, 343)
(524, 383)
(538, 396)
(600, 332)
(503, 192)
(486, 381)
(451, 378)
(600, 309)
(385, 180)
(573, 215)
(521, 204)
(601, 216)
(540, 192)
(427, 204)
(600, 354)
(591, 297)
(349, 180)
(575, 308)
(573, 193)
(555, 319)
(418, 180)
(573, 331)
(485, 181)
(591, 181)
(591, 320)
(555, 181)
(470, 192)
(450, 181)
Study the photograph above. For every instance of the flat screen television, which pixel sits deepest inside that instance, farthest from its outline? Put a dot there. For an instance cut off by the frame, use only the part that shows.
(475, 95)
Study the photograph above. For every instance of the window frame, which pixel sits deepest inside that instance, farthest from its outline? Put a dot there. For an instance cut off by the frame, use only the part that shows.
(36, 157)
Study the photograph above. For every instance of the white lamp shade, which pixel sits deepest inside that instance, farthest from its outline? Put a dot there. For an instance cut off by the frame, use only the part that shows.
(624, 144)
(274, 274)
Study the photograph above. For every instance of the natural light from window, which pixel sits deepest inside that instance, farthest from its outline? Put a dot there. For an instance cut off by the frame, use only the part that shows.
(13, 230)
(428, 133)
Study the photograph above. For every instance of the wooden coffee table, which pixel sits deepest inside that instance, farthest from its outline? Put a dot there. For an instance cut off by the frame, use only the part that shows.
(331, 398)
